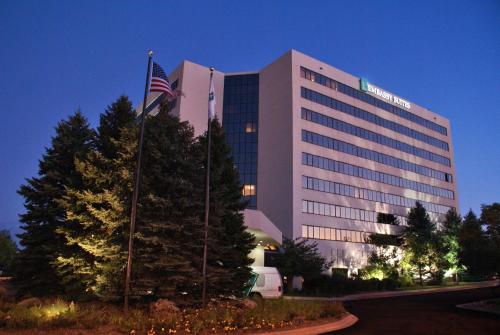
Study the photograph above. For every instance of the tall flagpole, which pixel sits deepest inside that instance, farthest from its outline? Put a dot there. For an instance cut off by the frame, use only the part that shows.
(135, 195)
(207, 188)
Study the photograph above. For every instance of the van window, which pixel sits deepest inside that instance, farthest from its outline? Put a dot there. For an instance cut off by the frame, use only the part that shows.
(261, 280)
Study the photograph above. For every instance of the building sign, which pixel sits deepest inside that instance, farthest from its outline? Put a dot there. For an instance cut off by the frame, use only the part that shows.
(365, 86)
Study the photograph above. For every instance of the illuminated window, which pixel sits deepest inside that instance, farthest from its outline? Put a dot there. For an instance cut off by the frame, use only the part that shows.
(316, 232)
(304, 231)
(248, 190)
(321, 233)
(250, 127)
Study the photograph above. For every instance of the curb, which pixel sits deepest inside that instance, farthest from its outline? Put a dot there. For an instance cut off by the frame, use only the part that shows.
(479, 306)
(394, 294)
(347, 321)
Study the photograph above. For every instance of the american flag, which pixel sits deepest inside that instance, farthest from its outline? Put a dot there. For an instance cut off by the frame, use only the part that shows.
(159, 81)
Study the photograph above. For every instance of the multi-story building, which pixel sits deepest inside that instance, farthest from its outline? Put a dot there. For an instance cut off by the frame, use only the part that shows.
(322, 153)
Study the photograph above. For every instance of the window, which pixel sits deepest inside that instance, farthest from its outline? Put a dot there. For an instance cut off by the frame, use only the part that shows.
(328, 142)
(361, 172)
(360, 95)
(248, 190)
(371, 136)
(372, 118)
(261, 280)
(240, 121)
(250, 127)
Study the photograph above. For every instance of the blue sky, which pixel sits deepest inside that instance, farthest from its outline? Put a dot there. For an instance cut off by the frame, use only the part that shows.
(58, 56)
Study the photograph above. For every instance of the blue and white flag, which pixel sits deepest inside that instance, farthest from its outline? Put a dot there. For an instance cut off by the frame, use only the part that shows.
(211, 99)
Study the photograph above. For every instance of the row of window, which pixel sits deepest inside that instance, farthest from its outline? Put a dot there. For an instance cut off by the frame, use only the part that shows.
(360, 95)
(334, 234)
(327, 186)
(370, 117)
(320, 208)
(348, 128)
(351, 149)
(240, 109)
(381, 177)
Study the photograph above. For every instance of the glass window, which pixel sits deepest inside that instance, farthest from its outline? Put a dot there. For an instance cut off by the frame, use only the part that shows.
(327, 233)
(261, 279)
(248, 190)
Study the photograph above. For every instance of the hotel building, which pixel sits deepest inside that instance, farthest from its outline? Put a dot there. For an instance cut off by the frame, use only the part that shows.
(322, 153)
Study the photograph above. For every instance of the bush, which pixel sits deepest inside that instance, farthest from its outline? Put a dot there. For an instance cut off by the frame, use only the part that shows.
(340, 284)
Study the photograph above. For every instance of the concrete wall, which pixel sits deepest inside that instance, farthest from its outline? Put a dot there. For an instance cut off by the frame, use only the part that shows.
(275, 149)
(194, 81)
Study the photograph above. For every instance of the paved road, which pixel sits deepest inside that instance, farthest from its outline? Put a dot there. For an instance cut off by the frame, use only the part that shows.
(429, 314)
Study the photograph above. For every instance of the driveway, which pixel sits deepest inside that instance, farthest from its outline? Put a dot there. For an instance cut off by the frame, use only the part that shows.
(423, 314)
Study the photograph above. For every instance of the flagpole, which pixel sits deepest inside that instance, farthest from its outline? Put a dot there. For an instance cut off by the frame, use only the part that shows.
(135, 195)
(207, 196)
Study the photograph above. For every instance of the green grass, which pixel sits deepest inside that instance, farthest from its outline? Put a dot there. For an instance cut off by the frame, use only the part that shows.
(418, 287)
(223, 318)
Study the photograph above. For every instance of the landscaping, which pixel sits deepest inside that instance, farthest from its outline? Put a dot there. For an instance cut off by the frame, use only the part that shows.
(230, 316)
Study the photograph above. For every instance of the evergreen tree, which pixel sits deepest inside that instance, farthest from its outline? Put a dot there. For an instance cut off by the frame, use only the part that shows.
(228, 241)
(8, 251)
(300, 257)
(42, 245)
(168, 226)
(490, 217)
(475, 248)
(418, 237)
(99, 212)
(450, 229)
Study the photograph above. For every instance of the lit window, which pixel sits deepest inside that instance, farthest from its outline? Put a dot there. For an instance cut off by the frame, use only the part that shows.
(327, 233)
(248, 190)
(250, 127)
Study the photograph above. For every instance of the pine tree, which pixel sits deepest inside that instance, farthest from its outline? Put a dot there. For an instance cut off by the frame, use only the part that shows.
(34, 267)
(476, 252)
(418, 237)
(8, 249)
(99, 212)
(228, 242)
(490, 217)
(450, 229)
(168, 225)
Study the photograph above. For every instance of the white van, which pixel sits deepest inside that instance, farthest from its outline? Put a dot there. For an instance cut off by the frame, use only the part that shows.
(268, 284)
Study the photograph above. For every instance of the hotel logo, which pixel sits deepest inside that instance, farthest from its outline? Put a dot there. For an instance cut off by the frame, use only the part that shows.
(365, 86)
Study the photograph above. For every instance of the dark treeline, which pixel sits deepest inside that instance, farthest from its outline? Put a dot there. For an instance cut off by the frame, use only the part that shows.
(76, 222)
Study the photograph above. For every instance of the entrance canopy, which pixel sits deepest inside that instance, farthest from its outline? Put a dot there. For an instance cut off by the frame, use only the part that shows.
(266, 233)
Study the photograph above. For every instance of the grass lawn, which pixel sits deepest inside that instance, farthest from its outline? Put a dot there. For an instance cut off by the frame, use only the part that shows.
(418, 287)
(60, 317)
(407, 288)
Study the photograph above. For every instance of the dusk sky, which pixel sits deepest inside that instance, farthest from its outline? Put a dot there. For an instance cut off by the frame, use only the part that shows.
(60, 56)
